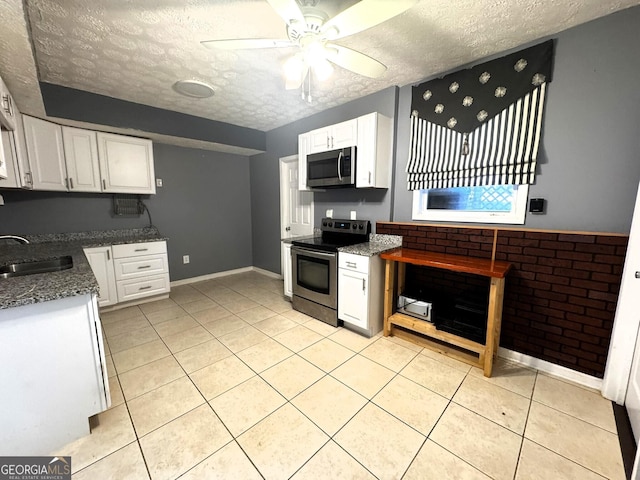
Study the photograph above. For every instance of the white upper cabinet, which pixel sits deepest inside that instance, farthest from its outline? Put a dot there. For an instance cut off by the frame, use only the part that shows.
(46, 154)
(372, 134)
(126, 164)
(336, 136)
(81, 153)
(375, 151)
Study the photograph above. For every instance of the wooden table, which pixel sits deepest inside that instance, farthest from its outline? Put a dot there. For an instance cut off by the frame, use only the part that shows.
(422, 332)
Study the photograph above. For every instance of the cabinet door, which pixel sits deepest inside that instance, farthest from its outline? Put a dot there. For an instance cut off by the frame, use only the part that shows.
(319, 140)
(101, 263)
(286, 269)
(344, 134)
(25, 178)
(46, 154)
(126, 164)
(4, 158)
(11, 180)
(81, 155)
(353, 297)
(375, 141)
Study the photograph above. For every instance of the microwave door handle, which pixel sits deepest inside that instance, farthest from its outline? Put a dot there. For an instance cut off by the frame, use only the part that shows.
(339, 161)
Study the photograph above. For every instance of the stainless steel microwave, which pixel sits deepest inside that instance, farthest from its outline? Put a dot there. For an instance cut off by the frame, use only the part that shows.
(335, 168)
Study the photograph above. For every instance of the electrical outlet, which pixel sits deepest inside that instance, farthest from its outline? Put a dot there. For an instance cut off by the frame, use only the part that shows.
(185, 259)
(158, 182)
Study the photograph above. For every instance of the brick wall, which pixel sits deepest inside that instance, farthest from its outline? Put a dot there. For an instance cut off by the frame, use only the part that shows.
(560, 296)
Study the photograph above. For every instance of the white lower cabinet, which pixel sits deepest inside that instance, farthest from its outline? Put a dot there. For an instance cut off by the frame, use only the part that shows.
(287, 274)
(360, 292)
(53, 376)
(130, 272)
(101, 262)
(141, 269)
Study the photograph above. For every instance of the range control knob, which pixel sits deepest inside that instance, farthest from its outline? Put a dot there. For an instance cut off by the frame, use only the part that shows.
(324, 224)
(354, 226)
(331, 224)
(361, 227)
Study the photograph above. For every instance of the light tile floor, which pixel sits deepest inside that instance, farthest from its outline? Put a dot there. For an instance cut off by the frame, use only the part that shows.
(225, 380)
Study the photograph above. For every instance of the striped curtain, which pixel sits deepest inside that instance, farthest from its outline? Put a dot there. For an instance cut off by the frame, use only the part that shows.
(502, 151)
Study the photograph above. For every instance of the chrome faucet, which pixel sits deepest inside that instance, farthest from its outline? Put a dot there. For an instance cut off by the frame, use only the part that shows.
(14, 237)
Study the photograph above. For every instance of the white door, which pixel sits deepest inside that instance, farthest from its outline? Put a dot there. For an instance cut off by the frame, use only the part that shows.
(296, 207)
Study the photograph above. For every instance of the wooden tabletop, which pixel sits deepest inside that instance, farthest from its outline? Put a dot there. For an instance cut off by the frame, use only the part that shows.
(456, 263)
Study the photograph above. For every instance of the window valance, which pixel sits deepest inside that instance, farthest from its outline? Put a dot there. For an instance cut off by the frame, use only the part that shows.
(480, 126)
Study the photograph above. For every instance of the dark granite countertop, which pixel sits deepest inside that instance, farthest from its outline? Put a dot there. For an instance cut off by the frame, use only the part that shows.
(78, 280)
(376, 245)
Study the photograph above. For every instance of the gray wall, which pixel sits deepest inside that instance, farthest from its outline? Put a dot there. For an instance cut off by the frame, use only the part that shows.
(374, 204)
(589, 164)
(203, 208)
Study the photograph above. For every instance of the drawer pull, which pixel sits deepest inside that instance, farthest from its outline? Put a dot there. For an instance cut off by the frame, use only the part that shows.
(351, 264)
(141, 249)
(144, 266)
(145, 288)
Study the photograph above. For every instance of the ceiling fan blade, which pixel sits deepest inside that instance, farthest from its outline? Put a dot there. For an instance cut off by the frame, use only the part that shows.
(288, 10)
(364, 14)
(355, 61)
(296, 83)
(246, 43)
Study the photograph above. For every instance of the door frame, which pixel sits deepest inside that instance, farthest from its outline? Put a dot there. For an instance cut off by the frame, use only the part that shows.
(626, 322)
(281, 164)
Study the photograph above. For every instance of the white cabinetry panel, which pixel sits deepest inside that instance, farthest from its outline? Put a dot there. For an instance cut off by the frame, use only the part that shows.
(102, 266)
(126, 164)
(81, 155)
(46, 154)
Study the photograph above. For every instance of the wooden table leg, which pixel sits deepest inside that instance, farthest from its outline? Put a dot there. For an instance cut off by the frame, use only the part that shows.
(389, 287)
(494, 321)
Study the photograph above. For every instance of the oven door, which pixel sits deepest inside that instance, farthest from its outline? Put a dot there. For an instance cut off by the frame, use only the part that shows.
(315, 276)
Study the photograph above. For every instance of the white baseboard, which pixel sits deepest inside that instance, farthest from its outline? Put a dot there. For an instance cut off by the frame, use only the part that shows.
(552, 369)
(226, 273)
(267, 273)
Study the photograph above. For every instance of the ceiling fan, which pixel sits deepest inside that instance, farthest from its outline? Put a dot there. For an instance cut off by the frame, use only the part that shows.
(313, 32)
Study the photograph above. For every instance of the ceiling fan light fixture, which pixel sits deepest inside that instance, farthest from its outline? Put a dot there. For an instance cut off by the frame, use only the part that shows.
(322, 69)
(193, 88)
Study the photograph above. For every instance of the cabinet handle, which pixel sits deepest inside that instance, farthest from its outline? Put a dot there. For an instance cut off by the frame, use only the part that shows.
(6, 104)
(369, 178)
(145, 288)
(28, 178)
(141, 249)
(351, 264)
(66, 183)
(108, 255)
(327, 142)
(331, 142)
(363, 285)
(144, 266)
(71, 183)
(104, 184)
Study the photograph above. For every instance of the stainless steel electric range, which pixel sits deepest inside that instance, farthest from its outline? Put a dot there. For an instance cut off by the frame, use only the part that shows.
(315, 267)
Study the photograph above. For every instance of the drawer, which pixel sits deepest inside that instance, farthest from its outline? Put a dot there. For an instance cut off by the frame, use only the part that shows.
(356, 263)
(142, 287)
(137, 249)
(144, 266)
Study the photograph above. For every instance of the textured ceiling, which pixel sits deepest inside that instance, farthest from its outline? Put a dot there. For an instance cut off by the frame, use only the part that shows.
(136, 49)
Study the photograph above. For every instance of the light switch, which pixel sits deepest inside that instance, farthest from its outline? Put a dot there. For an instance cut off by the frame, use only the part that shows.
(329, 213)
(158, 182)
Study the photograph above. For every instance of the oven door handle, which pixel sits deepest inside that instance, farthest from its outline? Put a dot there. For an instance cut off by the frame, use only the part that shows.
(310, 251)
(339, 161)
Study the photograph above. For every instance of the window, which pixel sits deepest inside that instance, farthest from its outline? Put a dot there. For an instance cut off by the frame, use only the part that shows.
(487, 204)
